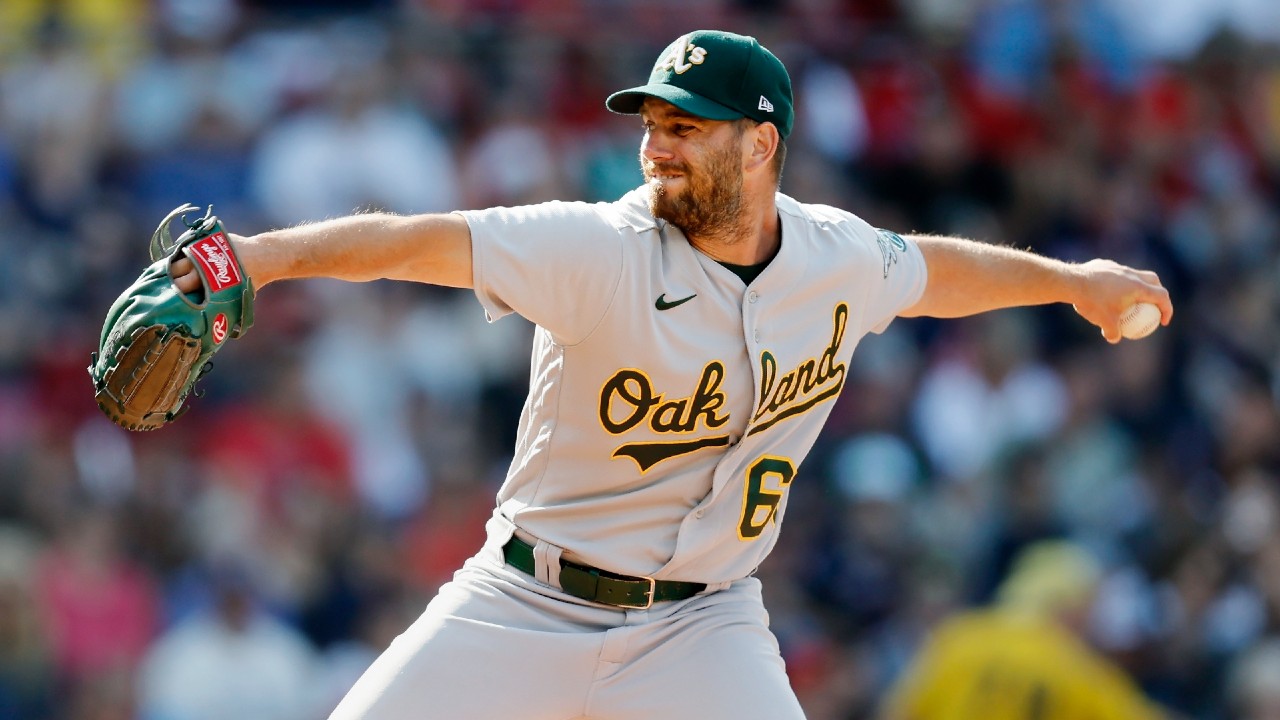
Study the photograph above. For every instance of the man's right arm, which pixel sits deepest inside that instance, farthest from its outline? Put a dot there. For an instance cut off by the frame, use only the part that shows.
(433, 249)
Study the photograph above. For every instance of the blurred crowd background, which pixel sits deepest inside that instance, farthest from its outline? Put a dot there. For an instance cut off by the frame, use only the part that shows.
(250, 560)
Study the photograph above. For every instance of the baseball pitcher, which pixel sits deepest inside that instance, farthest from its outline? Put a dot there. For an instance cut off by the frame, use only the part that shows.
(691, 340)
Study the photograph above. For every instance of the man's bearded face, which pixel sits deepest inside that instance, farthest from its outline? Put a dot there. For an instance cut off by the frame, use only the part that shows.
(700, 198)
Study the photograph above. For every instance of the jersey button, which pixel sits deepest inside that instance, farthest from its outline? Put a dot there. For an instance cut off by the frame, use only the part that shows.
(752, 296)
(698, 514)
(756, 335)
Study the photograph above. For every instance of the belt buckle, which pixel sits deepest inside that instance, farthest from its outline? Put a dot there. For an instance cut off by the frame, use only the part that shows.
(653, 590)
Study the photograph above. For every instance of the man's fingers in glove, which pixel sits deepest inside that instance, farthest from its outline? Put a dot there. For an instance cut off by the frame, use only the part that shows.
(184, 276)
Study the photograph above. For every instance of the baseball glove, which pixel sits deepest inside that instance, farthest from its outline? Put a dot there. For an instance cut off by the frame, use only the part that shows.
(157, 341)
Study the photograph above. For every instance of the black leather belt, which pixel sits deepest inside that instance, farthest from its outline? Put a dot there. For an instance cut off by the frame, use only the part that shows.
(602, 586)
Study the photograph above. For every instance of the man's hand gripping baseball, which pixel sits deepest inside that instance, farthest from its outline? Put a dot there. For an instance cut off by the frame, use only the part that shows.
(1108, 289)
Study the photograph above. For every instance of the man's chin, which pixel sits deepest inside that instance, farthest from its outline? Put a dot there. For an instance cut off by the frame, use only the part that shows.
(663, 208)
(662, 202)
(668, 187)
(659, 200)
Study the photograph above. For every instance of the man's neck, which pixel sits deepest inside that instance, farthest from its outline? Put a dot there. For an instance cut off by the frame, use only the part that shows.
(754, 239)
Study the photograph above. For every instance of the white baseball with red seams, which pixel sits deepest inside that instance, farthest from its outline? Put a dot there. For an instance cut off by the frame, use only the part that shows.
(1139, 321)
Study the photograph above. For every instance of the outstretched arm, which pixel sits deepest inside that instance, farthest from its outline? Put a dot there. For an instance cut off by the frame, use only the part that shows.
(432, 249)
(968, 277)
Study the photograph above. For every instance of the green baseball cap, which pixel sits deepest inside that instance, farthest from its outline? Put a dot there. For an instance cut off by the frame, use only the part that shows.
(719, 76)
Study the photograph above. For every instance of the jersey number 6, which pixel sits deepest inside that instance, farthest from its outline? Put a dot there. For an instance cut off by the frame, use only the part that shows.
(767, 480)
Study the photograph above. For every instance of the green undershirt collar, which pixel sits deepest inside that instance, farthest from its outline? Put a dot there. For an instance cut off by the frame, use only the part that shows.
(746, 272)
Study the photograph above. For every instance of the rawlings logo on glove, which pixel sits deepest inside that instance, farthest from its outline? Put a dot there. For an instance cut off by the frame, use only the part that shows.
(216, 259)
(157, 341)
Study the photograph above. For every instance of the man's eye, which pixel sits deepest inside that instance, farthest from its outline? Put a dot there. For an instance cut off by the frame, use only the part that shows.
(682, 129)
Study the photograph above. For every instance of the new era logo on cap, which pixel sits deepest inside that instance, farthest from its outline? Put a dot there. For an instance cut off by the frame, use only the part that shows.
(765, 104)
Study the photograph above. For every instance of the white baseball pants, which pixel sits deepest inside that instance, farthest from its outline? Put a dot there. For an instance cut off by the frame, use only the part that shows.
(497, 645)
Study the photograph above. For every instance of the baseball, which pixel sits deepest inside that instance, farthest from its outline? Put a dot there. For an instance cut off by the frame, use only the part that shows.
(1139, 321)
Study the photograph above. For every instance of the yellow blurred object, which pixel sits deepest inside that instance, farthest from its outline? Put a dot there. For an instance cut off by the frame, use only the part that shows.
(110, 31)
(1019, 660)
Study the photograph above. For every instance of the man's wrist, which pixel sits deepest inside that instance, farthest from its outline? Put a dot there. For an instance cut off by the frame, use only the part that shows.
(1072, 282)
(251, 251)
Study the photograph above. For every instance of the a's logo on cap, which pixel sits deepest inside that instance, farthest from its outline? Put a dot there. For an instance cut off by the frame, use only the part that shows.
(683, 56)
(765, 104)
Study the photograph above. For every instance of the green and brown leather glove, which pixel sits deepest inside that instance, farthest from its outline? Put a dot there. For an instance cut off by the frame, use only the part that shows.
(157, 341)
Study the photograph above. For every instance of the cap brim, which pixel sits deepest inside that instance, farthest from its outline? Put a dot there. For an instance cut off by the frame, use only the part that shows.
(628, 102)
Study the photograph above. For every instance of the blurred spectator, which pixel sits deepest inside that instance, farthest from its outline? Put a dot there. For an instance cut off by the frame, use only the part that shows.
(51, 102)
(342, 663)
(491, 178)
(1091, 465)
(1024, 657)
(270, 490)
(1255, 683)
(358, 146)
(355, 376)
(1016, 41)
(27, 678)
(101, 608)
(611, 165)
(834, 111)
(229, 661)
(858, 568)
(1022, 513)
(985, 392)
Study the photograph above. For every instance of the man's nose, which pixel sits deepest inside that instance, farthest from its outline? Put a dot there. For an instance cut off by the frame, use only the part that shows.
(654, 148)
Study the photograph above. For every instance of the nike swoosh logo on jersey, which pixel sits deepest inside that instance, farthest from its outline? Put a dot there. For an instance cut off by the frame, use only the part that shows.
(663, 304)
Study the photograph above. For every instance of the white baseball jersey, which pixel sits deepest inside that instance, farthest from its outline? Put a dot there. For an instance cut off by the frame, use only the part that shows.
(669, 405)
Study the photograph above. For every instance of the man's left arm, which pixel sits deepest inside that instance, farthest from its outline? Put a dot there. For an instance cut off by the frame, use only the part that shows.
(966, 277)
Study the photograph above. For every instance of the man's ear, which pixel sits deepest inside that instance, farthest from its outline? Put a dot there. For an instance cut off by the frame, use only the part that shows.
(761, 144)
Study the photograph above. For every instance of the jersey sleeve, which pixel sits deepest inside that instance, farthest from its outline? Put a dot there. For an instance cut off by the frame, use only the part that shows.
(556, 264)
(895, 277)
